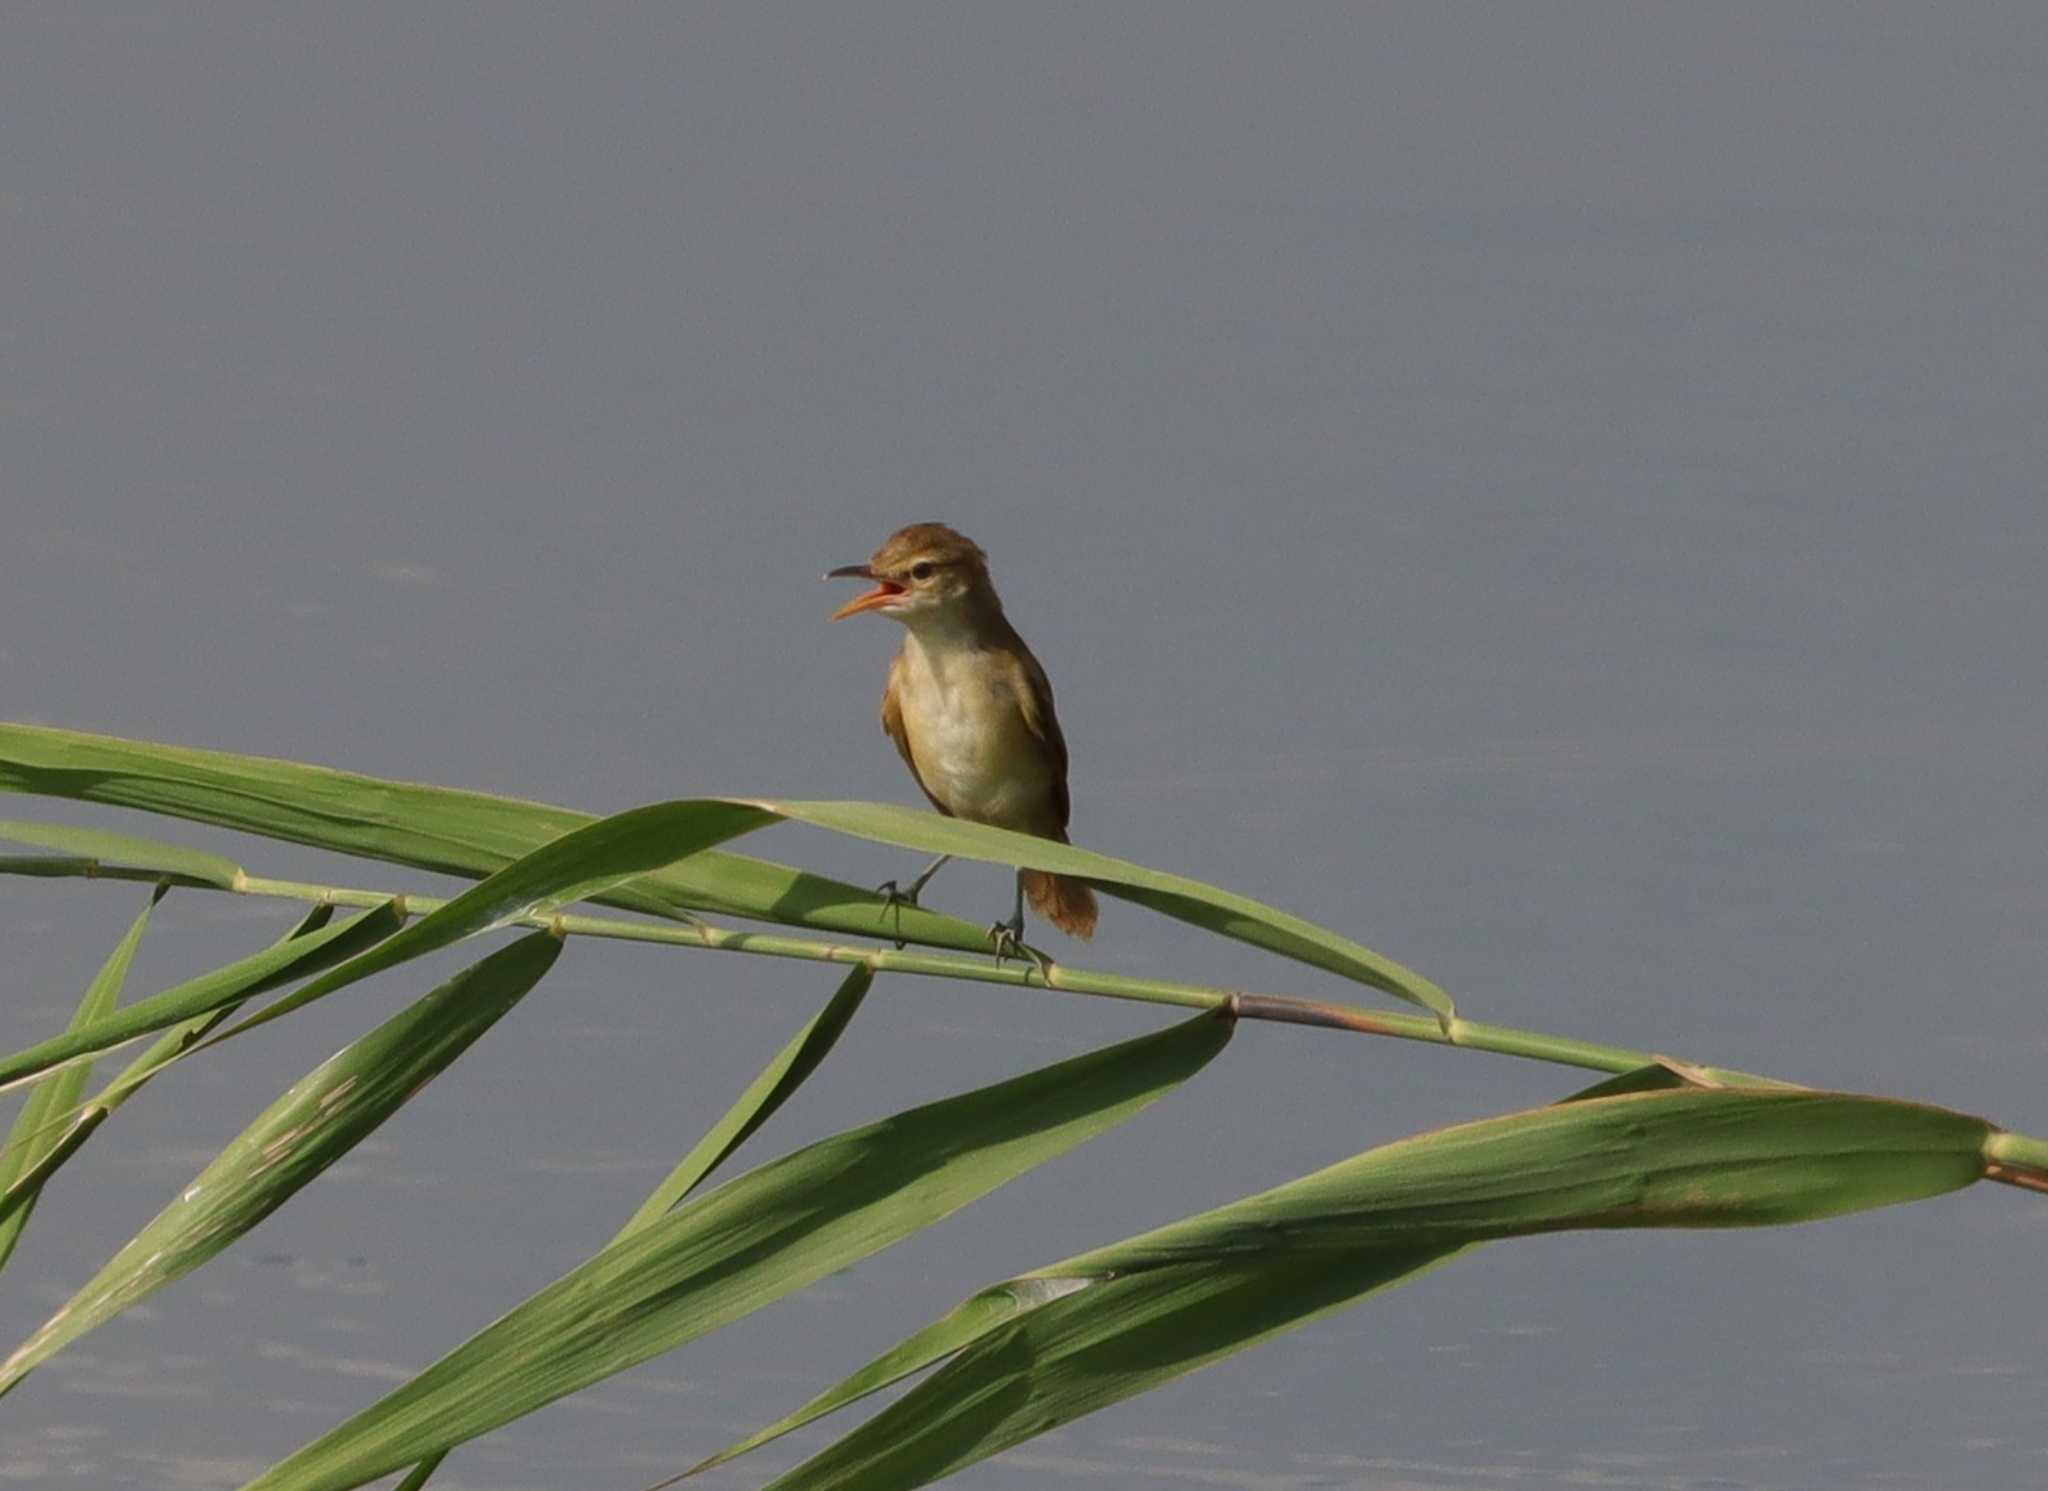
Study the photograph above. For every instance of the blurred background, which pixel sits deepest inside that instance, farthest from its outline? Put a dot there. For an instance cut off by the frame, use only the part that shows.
(1554, 492)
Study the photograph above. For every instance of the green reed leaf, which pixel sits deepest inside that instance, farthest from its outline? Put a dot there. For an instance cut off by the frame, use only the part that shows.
(37, 1132)
(1046, 1347)
(99, 846)
(444, 829)
(1191, 901)
(323, 1116)
(755, 1239)
(783, 1075)
(242, 979)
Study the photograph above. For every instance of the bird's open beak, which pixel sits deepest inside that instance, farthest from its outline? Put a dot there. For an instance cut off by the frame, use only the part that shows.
(884, 591)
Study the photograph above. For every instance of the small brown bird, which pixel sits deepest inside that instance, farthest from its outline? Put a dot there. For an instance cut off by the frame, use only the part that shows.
(971, 712)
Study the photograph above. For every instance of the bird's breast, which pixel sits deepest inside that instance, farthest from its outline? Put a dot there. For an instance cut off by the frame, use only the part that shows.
(969, 742)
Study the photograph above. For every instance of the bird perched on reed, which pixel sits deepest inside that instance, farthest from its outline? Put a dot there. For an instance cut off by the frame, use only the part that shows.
(971, 712)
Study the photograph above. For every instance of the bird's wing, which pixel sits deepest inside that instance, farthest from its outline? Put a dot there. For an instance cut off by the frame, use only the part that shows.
(892, 726)
(1034, 699)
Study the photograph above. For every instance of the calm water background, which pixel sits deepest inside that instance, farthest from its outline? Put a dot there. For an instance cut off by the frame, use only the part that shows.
(1555, 491)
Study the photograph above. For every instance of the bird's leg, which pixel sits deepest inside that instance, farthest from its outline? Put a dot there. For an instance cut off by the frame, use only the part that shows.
(1009, 937)
(895, 899)
(888, 891)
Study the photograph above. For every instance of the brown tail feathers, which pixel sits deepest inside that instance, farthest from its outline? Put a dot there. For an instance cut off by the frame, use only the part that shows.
(1066, 903)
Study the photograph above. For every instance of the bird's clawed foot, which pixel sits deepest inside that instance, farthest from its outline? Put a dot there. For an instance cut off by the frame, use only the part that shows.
(1008, 938)
(894, 899)
(893, 895)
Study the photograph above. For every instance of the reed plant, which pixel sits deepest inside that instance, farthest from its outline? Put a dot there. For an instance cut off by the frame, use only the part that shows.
(1655, 1143)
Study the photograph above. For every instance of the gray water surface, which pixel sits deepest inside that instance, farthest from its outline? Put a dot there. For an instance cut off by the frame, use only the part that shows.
(1555, 492)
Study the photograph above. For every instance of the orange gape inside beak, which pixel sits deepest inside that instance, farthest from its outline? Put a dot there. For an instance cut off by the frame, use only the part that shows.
(884, 592)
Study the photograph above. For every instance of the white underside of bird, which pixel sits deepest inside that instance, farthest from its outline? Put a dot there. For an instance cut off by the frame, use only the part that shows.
(965, 724)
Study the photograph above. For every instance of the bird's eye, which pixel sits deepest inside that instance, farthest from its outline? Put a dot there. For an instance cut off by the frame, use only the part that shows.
(922, 570)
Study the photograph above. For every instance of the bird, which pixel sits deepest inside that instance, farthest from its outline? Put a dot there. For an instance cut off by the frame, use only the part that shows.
(971, 713)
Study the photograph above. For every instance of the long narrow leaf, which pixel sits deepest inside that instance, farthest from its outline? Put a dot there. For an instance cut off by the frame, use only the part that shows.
(101, 846)
(33, 1138)
(967, 1322)
(1061, 1362)
(472, 833)
(981, 1314)
(1049, 1346)
(87, 1118)
(583, 862)
(417, 1476)
(242, 979)
(783, 1075)
(322, 1117)
(1191, 901)
(752, 1241)
(431, 828)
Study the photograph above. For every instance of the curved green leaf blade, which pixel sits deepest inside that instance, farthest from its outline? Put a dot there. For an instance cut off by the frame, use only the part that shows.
(1685, 1158)
(242, 979)
(785, 1072)
(322, 1117)
(584, 862)
(1191, 901)
(431, 828)
(472, 833)
(36, 1135)
(783, 1075)
(103, 847)
(755, 1239)
(417, 1476)
(963, 1325)
(87, 1118)
(1146, 1310)
(1080, 1353)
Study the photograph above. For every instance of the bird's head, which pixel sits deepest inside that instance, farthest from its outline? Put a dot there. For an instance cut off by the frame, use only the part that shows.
(923, 573)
